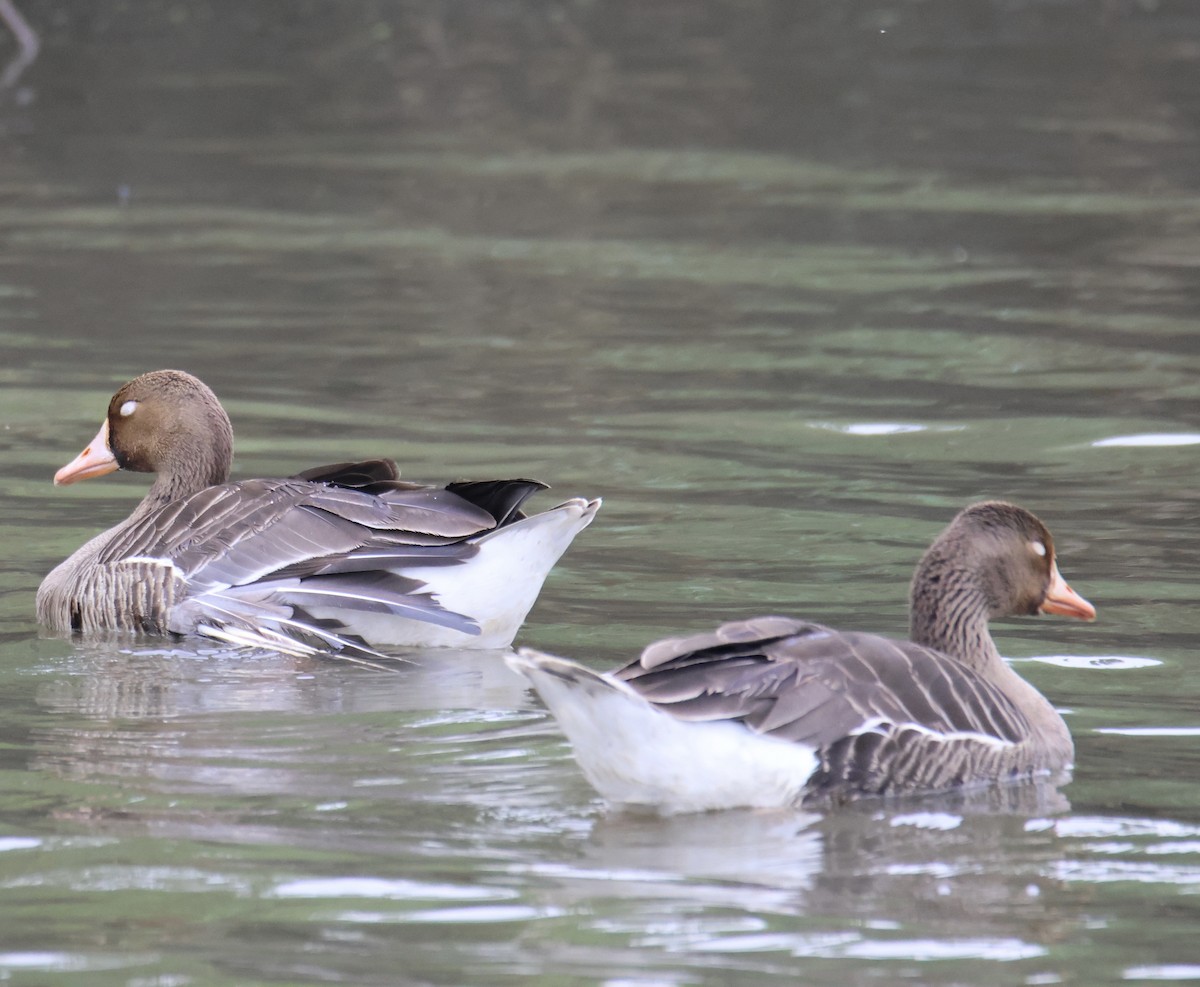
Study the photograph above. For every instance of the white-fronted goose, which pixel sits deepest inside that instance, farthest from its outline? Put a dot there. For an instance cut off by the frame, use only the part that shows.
(332, 558)
(774, 711)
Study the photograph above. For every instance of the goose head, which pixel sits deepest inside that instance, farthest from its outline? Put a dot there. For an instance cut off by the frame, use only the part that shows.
(166, 422)
(993, 560)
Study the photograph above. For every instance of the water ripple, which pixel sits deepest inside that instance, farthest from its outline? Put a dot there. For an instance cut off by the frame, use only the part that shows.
(1105, 662)
(1149, 439)
(378, 887)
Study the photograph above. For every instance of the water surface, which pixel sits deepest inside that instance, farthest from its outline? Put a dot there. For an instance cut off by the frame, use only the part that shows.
(786, 284)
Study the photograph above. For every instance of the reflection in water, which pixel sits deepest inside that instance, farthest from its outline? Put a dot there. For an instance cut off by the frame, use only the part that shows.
(167, 683)
(217, 724)
(778, 850)
(256, 751)
(843, 865)
(788, 283)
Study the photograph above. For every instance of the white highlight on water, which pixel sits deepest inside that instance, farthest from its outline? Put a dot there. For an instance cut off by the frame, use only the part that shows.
(1148, 439)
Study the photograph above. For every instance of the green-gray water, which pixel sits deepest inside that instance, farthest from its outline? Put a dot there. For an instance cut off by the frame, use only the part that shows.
(787, 283)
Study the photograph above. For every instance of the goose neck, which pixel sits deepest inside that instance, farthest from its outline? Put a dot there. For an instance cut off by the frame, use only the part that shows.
(950, 614)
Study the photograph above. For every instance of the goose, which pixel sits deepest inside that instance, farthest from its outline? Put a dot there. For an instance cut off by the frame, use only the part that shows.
(774, 711)
(340, 558)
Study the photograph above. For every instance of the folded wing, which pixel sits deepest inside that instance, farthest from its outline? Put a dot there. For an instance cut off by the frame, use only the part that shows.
(262, 552)
(870, 706)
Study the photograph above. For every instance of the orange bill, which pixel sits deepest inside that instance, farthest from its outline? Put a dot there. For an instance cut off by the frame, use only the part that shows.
(1064, 601)
(96, 460)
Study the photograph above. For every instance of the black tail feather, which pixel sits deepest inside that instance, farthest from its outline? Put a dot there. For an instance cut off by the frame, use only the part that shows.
(500, 498)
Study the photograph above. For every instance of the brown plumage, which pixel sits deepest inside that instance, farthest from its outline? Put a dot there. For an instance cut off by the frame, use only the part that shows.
(880, 716)
(322, 560)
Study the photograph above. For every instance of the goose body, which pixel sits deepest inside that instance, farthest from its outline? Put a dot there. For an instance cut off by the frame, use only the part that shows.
(774, 711)
(336, 557)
